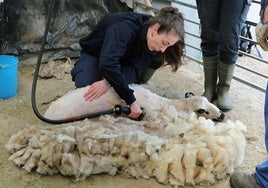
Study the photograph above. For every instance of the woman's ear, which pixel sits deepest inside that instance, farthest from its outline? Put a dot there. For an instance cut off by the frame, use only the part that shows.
(155, 27)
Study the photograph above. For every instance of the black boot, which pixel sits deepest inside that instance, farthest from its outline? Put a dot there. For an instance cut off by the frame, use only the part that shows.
(243, 180)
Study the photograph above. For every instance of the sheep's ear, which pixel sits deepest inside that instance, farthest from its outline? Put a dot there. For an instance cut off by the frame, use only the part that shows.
(188, 94)
(200, 111)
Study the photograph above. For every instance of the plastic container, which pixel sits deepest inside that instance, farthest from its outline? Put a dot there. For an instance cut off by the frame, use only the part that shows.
(8, 76)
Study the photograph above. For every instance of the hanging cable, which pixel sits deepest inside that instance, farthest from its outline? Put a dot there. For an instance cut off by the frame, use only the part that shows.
(118, 109)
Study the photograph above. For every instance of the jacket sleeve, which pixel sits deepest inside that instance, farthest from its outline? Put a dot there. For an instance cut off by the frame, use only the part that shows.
(114, 47)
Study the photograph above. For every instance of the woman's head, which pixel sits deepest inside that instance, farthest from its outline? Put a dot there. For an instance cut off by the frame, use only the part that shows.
(166, 36)
(159, 42)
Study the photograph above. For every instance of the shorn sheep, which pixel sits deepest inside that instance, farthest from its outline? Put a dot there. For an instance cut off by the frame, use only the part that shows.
(73, 104)
(176, 147)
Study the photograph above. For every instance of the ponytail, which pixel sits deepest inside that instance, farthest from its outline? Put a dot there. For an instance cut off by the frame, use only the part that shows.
(171, 21)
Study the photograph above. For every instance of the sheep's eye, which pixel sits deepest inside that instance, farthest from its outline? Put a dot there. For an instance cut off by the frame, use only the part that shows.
(201, 111)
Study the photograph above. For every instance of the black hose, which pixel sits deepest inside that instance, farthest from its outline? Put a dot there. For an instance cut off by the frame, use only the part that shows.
(35, 77)
(118, 109)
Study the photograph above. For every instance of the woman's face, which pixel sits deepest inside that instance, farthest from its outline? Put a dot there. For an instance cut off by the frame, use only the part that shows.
(159, 42)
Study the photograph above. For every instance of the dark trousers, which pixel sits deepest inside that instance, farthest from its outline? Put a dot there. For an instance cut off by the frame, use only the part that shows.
(85, 71)
(221, 22)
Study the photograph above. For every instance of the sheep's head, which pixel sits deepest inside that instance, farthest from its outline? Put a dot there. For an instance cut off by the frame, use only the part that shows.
(203, 107)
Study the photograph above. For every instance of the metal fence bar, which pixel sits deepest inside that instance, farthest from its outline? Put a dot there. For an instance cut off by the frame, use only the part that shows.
(181, 3)
(191, 34)
(262, 89)
(252, 71)
(257, 2)
(136, 3)
(241, 80)
(194, 47)
(254, 57)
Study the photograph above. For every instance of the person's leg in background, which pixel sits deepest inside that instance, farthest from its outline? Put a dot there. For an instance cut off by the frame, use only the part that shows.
(220, 31)
(209, 18)
(231, 20)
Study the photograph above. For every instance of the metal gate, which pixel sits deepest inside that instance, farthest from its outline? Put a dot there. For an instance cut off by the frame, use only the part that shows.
(256, 57)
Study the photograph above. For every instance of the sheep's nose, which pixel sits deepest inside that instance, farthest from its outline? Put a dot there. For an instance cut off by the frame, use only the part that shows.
(222, 116)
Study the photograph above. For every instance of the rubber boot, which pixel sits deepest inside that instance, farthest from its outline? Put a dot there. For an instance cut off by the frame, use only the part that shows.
(210, 65)
(226, 72)
(146, 75)
(243, 180)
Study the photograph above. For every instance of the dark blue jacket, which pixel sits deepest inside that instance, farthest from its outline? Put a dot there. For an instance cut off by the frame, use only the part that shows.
(119, 41)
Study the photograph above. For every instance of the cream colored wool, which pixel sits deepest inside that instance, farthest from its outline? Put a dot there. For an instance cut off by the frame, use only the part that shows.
(175, 147)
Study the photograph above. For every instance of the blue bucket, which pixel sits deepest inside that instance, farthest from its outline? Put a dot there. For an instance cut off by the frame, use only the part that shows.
(8, 76)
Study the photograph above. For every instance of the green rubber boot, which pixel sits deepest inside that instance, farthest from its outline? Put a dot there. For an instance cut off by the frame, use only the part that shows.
(243, 180)
(225, 77)
(210, 65)
(146, 75)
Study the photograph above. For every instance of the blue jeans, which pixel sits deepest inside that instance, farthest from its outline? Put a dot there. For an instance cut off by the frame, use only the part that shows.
(221, 22)
(262, 169)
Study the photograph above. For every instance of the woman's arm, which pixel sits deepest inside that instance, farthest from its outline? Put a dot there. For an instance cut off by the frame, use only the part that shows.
(114, 48)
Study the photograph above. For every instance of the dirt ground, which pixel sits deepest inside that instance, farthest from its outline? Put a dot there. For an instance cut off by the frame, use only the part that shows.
(16, 113)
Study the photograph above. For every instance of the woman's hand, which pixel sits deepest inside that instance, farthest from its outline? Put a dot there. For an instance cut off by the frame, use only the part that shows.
(135, 110)
(96, 90)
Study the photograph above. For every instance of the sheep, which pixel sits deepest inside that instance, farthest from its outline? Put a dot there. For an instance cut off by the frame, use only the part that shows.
(175, 142)
(73, 104)
(174, 147)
